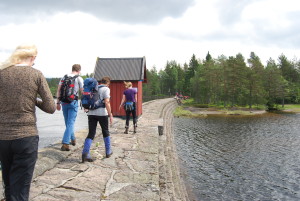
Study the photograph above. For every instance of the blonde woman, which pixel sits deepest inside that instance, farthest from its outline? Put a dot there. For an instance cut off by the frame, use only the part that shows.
(20, 85)
(129, 103)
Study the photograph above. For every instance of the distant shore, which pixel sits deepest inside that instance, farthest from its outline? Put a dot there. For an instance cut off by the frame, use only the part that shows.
(190, 111)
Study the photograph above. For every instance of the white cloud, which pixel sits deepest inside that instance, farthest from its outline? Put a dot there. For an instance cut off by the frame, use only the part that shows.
(122, 11)
(268, 28)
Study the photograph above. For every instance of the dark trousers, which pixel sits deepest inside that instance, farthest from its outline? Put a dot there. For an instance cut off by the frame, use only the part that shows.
(93, 121)
(18, 158)
(128, 113)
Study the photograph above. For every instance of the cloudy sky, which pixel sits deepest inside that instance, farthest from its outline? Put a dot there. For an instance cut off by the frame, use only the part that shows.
(79, 31)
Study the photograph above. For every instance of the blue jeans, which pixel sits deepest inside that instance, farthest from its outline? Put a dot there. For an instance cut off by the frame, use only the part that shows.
(70, 113)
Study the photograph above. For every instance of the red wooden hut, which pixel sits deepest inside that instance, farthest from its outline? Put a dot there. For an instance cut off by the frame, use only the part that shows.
(120, 70)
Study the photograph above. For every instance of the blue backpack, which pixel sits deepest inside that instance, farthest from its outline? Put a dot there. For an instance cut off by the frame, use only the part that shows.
(90, 98)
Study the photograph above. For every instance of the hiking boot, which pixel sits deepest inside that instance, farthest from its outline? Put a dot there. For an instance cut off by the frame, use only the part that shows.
(109, 155)
(86, 158)
(134, 129)
(65, 147)
(108, 151)
(86, 150)
(73, 142)
(126, 130)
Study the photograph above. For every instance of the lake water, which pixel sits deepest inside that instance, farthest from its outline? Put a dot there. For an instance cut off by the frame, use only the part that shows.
(241, 158)
(51, 127)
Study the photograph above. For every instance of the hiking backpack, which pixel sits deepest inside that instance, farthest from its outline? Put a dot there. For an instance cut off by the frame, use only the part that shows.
(67, 89)
(90, 98)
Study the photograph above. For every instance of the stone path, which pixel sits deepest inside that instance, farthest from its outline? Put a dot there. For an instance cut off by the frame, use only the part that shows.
(143, 165)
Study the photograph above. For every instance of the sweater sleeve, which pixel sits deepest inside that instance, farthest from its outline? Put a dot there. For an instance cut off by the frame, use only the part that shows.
(47, 103)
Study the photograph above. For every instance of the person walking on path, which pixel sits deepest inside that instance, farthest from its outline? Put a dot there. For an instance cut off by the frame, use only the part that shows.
(69, 107)
(100, 115)
(20, 86)
(129, 103)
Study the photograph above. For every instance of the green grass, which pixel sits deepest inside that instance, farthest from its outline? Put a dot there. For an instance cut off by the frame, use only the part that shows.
(293, 107)
(191, 103)
(235, 110)
(180, 111)
(188, 102)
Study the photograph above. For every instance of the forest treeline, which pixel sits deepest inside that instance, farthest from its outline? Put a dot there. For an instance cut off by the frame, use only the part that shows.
(229, 81)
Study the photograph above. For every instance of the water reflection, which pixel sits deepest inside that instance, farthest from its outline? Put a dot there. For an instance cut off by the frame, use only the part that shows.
(241, 158)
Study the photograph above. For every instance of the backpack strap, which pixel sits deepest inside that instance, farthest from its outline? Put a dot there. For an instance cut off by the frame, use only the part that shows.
(74, 77)
(99, 87)
(64, 77)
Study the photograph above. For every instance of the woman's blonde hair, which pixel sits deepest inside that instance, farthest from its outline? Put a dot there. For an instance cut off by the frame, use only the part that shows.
(127, 84)
(21, 52)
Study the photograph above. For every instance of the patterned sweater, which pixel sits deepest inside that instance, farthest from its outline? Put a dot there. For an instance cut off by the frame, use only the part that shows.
(19, 89)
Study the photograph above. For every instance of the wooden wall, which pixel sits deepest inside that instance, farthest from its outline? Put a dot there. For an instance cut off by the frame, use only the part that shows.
(116, 92)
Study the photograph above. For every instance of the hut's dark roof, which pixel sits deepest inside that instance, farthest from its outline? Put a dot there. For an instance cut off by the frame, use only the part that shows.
(121, 68)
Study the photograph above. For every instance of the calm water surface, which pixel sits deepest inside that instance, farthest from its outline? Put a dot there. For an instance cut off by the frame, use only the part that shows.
(241, 158)
(51, 127)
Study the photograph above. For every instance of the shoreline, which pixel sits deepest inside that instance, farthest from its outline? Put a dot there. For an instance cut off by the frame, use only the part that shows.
(202, 112)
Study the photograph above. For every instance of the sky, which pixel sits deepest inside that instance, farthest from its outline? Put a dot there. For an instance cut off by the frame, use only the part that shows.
(68, 32)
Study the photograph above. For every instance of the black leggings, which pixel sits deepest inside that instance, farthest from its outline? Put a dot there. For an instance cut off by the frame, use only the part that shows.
(93, 121)
(133, 115)
(18, 158)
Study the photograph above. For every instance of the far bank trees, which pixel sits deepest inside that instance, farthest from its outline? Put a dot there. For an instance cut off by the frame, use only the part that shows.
(230, 81)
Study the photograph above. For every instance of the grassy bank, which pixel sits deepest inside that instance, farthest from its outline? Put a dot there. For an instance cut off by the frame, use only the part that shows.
(192, 109)
(191, 103)
(180, 111)
(291, 108)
